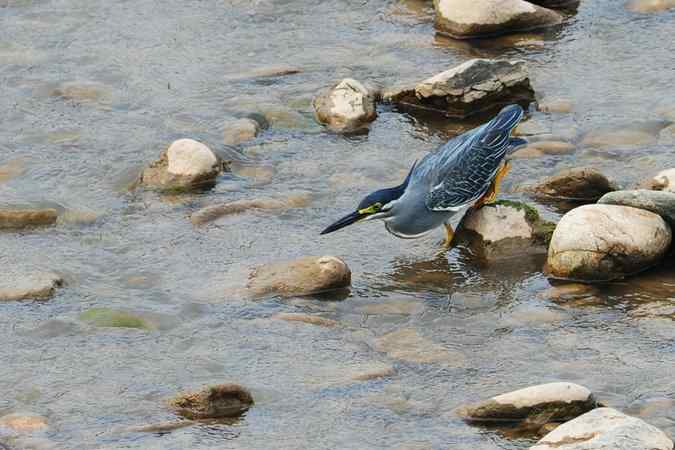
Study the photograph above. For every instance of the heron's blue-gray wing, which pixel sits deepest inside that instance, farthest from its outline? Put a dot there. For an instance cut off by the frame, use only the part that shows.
(463, 171)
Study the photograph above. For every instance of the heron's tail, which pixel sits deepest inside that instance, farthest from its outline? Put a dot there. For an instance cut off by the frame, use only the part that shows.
(507, 119)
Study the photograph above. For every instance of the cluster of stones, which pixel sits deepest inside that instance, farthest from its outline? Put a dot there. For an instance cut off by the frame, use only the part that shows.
(568, 416)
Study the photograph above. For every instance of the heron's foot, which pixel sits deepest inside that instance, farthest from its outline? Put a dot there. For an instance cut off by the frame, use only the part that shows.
(447, 243)
(491, 195)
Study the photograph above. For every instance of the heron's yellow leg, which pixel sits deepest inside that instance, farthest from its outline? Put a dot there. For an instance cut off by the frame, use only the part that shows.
(447, 243)
(491, 195)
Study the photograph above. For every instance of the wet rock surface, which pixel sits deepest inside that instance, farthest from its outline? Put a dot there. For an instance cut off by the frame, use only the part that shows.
(16, 285)
(185, 165)
(505, 229)
(662, 181)
(583, 184)
(213, 402)
(303, 276)
(465, 19)
(548, 402)
(478, 85)
(661, 203)
(346, 106)
(605, 428)
(26, 218)
(214, 212)
(606, 242)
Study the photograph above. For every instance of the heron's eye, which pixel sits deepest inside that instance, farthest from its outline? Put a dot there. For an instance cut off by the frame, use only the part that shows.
(372, 209)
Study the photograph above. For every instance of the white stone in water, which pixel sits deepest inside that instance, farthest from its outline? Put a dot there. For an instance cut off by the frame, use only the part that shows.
(664, 181)
(348, 99)
(544, 393)
(189, 157)
(605, 242)
(605, 428)
(481, 11)
(499, 222)
(347, 106)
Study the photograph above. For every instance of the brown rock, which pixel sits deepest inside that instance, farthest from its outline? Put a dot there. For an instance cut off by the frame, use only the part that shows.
(579, 184)
(304, 276)
(649, 6)
(213, 402)
(24, 218)
(305, 318)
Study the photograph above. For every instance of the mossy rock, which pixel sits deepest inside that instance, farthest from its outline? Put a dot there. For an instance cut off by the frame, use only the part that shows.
(213, 402)
(105, 317)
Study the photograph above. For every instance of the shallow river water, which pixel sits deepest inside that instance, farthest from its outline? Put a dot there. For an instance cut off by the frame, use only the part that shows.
(169, 69)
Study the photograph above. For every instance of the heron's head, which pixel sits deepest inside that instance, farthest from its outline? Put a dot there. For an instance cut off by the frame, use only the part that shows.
(376, 205)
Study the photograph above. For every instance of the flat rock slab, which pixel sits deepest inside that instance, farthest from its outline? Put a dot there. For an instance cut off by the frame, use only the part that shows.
(605, 428)
(27, 286)
(583, 184)
(661, 203)
(505, 229)
(304, 276)
(478, 85)
(213, 402)
(606, 242)
(552, 402)
(466, 19)
(26, 218)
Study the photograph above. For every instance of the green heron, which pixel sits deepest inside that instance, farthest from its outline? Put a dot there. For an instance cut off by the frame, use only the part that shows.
(463, 173)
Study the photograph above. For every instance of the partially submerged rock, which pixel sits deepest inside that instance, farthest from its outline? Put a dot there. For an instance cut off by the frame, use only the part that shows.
(280, 70)
(346, 106)
(649, 6)
(82, 91)
(240, 130)
(26, 218)
(661, 203)
(466, 19)
(548, 402)
(303, 276)
(28, 286)
(478, 85)
(213, 402)
(505, 229)
(186, 164)
(583, 184)
(605, 428)
(213, 212)
(606, 242)
(662, 181)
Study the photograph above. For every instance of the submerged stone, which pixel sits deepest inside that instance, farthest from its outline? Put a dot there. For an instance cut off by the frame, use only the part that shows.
(606, 242)
(408, 345)
(605, 428)
(305, 318)
(213, 402)
(240, 130)
(105, 317)
(650, 6)
(547, 402)
(662, 181)
(26, 218)
(303, 276)
(214, 212)
(23, 422)
(465, 19)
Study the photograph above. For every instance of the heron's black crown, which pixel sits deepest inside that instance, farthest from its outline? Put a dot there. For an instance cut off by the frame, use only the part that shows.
(385, 196)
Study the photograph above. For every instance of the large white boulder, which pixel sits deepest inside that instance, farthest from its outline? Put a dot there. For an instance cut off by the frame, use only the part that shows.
(606, 242)
(465, 19)
(345, 107)
(605, 428)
